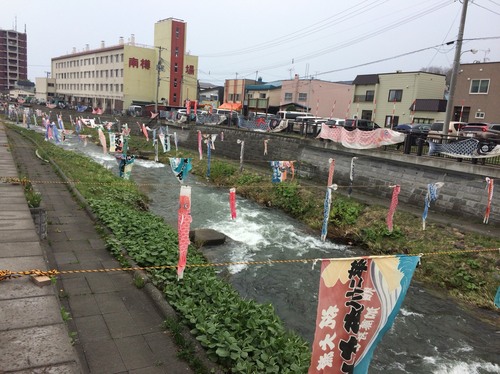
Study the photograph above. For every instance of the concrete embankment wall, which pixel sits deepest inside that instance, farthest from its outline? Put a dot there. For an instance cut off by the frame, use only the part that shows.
(464, 192)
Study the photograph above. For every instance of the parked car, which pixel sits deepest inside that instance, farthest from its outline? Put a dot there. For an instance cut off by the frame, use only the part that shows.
(135, 110)
(360, 124)
(484, 131)
(312, 124)
(331, 122)
(404, 127)
(436, 131)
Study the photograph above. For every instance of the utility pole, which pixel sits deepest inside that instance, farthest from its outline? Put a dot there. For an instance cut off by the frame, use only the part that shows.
(159, 68)
(454, 71)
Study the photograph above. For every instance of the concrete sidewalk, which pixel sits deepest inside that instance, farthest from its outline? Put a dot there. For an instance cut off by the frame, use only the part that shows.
(115, 327)
(33, 336)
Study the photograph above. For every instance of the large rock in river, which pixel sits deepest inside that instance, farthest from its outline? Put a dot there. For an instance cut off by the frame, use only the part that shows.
(203, 237)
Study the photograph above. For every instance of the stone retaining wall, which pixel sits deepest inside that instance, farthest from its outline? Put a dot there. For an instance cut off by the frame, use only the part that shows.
(464, 191)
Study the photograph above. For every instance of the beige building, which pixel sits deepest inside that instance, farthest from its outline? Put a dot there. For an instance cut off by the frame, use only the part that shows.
(394, 98)
(128, 73)
(477, 93)
(321, 98)
(263, 97)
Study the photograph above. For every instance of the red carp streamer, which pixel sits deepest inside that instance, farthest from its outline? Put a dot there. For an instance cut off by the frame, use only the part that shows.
(489, 181)
(183, 226)
(392, 208)
(232, 202)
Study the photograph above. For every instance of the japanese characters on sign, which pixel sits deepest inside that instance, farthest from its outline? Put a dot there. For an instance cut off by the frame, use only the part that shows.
(135, 63)
(358, 301)
(190, 69)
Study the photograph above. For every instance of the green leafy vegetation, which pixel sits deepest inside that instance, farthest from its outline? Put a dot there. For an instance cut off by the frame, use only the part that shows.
(241, 335)
(33, 197)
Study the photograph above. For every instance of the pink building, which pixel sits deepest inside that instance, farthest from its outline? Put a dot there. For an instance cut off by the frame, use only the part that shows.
(323, 98)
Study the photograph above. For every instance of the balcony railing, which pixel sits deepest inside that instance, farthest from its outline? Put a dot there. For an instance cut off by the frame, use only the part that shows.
(363, 99)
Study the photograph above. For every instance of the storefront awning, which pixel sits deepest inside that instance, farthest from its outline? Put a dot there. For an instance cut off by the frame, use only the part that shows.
(231, 106)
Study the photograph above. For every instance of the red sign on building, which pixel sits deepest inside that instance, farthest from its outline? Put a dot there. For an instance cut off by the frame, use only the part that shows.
(134, 63)
(190, 69)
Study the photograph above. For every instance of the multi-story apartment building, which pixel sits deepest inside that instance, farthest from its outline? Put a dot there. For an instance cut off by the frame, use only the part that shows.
(13, 59)
(402, 97)
(115, 77)
(477, 93)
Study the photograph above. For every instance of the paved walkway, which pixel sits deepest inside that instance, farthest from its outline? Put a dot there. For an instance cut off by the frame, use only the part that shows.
(115, 327)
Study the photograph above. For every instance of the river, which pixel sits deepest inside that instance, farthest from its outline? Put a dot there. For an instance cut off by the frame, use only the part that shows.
(430, 335)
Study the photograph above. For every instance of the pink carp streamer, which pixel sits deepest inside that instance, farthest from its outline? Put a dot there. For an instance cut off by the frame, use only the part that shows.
(394, 203)
(330, 171)
(200, 150)
(232, 202)
(489, 181)
(183, 226)
(102, 139)
(144, 130)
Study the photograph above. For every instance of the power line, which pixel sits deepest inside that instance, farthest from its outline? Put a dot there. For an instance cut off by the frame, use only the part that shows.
(488, 9)
(355, 40)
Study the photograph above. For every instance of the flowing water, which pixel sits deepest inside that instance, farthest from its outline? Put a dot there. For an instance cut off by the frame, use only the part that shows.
(430, 335)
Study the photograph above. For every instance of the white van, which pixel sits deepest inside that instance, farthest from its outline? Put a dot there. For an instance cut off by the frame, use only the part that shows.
(285, 114)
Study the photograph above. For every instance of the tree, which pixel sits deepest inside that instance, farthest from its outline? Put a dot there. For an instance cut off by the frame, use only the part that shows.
(446, 71)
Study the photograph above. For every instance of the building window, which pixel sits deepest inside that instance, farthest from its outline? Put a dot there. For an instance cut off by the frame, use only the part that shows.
(395, 95)
(302, 96)
(121, 73)
(479, 115)
(175, 67)
(177, 33)
(479, 86)
(111, 73)
(369, 96)
(175, 82)
(111, 58)
(231, 97)
(237, 97)
(262, 96)
(176, 51)
(121, 87)
(175, 97)
(288, 96)
(121, 57)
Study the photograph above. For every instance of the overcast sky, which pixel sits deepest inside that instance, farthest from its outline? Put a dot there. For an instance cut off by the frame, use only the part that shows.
(272, 39)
